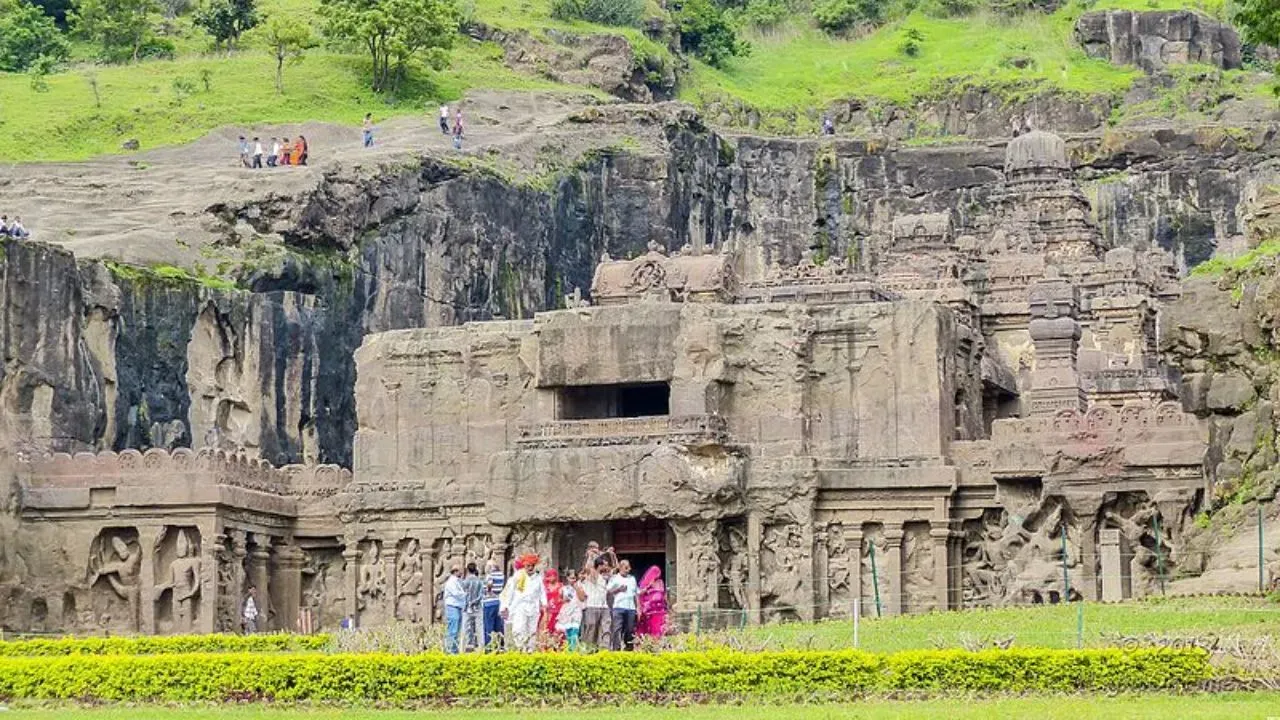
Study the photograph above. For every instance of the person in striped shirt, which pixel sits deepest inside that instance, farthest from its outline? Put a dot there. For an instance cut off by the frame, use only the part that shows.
(494, 581)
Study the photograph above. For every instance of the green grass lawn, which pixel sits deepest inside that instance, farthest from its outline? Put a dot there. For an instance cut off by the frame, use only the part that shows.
(1052, 626)
(1237, 706)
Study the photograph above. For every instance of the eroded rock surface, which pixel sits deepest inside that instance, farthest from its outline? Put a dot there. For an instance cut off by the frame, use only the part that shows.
(1155, 40)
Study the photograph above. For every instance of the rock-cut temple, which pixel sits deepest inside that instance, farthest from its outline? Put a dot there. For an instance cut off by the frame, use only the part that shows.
(971, 412)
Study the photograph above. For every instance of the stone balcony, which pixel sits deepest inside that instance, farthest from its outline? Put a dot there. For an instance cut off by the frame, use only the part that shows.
(654, 430)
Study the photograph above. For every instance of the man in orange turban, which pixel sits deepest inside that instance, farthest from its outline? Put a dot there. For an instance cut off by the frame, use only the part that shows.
(521, 602)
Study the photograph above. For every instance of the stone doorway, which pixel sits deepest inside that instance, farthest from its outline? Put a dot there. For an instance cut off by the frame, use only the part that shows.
(645, 543)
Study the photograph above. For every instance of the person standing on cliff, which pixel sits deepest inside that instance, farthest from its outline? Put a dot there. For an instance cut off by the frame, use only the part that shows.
(367, 131)
(444, 119)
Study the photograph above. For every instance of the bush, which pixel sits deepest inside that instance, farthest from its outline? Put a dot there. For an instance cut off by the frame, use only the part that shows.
(552, 676)
(706, 32)
(28, 37)
(603, 12)
(836, 16)
(168, 644)
(765, 13)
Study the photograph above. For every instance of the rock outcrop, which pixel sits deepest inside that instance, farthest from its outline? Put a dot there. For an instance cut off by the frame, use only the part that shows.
(1155, 40)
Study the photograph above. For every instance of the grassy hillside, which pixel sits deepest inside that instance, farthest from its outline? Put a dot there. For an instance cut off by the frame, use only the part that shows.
(790, 71)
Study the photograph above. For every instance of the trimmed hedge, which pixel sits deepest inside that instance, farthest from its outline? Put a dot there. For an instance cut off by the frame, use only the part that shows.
(547, 676)
(164, 644)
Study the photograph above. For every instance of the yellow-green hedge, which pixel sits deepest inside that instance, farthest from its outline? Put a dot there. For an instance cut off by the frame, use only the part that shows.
(167, 644)
(433, 676)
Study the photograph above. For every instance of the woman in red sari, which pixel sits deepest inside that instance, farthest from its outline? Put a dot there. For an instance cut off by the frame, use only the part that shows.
(652, 604)
(551, 612)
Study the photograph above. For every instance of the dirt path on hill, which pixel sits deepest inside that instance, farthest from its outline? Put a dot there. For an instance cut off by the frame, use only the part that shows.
(152, 206)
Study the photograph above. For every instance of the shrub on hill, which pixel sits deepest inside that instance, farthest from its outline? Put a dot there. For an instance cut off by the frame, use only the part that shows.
(604, 12)
(26, 36)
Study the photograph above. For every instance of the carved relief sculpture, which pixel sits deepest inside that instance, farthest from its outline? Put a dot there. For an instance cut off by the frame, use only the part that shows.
(182, 584)
(409, 579)
(115, 559)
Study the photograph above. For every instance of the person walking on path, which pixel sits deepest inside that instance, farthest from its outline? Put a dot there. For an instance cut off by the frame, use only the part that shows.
(444, 119)
(250, 611)
(368, 130)
(244, 153)
(569, 620)
(257, 153)
(622, 588)
(455, 603)
(494, 581)
(457, 133)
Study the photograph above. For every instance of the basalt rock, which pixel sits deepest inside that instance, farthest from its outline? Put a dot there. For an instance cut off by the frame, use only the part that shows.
(1155, 40)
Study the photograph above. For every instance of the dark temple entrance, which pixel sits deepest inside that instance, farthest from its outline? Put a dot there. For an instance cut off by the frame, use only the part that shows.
(644, 543)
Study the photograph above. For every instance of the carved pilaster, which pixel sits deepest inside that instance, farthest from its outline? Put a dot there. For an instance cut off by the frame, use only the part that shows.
(351, 577)
(755, 533)
(891, 595)
(853, 541)
(1055, 381)
(942, 560)
(286, 586)
(260, 577)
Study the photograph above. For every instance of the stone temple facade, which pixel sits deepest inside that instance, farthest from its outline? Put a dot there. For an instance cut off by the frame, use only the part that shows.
(959, 416)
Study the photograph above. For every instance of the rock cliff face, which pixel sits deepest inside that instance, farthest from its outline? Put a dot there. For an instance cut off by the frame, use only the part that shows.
(1155, 40)
(105, 359)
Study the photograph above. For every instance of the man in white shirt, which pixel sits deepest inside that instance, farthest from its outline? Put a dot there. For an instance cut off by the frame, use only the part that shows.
(455, 602)
(444, 119)
(596, 609)
(257, 153)
(521, 603)
(622, 588)
(274, 157)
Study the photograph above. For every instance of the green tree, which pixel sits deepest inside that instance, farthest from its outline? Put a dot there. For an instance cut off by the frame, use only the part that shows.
(392, 32)
(26, 36)
(119, 27)
(707, 33)
(288, 38)
(227, 20)
(1260, 20)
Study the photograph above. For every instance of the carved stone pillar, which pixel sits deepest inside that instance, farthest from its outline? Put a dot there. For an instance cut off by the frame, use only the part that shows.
(1055, 381)
(286, 586)
(260, 577)
(351, 577)
(212, 550)
(755, 532)
(821, 573)
(1112, 572)
(148, 537)
(957, 570)
(941, 538)
(891, 594)
(853, 541)
(239, 557)
(697, 565)
(390, 560)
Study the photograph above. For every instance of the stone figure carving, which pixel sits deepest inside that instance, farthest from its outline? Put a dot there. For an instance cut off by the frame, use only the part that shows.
(1135, 518)
(702, 560)
(373, 576)
(115, 562)
(183, 583)
(917, 568)
(733, 565)
(783, 558)
(839, 570)
(409, 581)
(985, 560)
(230, 576)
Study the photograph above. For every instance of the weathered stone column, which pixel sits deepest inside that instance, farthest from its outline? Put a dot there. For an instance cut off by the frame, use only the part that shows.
(351, 577)
(390, 595)
(755, 532)
(1112, 574)
(891, 593)
(853, 543)
(213, 547)
(821, 573)
(239, 556)
(286, 586)
(941, 538)
(260, 578)
(957, 570)
(148, 537)
(1055, 333)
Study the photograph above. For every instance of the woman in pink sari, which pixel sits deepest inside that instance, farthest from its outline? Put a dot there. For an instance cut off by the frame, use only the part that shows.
(652, 604)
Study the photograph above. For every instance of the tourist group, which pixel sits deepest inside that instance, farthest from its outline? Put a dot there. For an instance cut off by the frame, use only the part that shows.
(598, 607)
(282, 152)
(13, 229)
